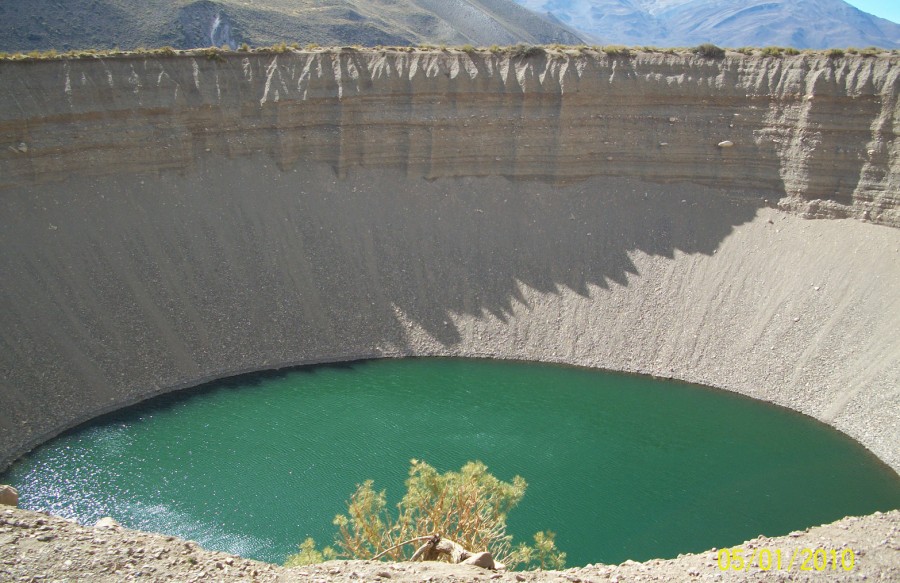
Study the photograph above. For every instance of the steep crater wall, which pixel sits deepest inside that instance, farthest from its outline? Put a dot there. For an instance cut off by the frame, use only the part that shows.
(173, 220)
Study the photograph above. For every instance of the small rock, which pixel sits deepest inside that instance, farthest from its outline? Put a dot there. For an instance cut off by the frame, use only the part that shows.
(725, 144)
(520, 577)
(9, 496)
(383, 574)
(107, 522)
(483, 560)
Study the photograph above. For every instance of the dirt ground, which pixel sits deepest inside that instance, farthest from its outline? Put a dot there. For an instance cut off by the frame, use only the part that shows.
(40, 547)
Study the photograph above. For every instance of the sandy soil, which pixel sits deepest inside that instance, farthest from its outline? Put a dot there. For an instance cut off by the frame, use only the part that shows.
(40, 547)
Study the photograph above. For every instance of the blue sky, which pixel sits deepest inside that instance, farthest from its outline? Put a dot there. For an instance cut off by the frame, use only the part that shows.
(889, 9)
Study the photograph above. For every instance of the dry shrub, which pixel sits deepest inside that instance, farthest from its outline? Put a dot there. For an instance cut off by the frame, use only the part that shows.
(469, 506)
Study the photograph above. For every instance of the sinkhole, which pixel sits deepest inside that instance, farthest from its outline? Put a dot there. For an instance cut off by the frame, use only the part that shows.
(618, 466)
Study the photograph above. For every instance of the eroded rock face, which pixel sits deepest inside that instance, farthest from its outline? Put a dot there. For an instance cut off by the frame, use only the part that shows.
(813, 132)
(173, 220)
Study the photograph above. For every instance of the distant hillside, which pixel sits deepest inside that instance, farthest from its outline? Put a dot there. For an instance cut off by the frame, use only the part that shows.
(814, 24)
(71, 24)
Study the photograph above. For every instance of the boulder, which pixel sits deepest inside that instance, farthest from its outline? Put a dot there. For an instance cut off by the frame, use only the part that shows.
(485, 561)
(107, 522)
(9, 495)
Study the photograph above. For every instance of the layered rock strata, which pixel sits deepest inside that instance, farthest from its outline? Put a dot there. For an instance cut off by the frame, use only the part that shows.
(169, 221)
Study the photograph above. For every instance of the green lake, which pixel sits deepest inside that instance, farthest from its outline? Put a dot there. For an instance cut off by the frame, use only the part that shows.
(620, 467)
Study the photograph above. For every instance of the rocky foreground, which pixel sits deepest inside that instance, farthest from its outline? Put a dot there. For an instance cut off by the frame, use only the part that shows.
(40, 547)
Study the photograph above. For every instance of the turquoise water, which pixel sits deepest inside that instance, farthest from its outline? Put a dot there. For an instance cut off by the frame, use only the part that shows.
(620, 467)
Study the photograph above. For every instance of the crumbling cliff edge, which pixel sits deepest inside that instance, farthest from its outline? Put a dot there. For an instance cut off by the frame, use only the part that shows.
(169, 221)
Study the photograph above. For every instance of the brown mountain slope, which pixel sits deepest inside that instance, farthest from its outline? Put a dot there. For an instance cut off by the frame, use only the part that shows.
(54, 24)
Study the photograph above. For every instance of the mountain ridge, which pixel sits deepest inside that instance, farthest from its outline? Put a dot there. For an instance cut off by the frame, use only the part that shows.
(803, 24)
(184, 24)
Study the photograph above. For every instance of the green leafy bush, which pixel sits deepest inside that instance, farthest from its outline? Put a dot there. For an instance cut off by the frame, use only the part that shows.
(834, 53)
(212, 54)
(469, 507)
(526, 51)
(710, 51)
(309, 555)
(617, 51)
(544, 554)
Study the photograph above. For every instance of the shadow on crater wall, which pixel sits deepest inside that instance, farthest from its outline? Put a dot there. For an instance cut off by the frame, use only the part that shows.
(118, 288)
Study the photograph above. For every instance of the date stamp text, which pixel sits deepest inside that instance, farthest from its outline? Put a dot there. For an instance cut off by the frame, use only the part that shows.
(766, 559)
